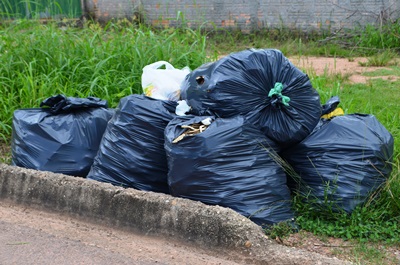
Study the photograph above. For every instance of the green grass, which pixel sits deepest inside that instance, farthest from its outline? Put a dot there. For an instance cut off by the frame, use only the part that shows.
(384, 37)
(371, 255)
(38, 61)
(379, 43)
(384, 58)
(40, 9)
(387, 71)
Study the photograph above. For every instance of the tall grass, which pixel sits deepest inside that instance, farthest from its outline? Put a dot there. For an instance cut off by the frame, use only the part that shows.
(386, 36)
(40, 9)
(38, 61)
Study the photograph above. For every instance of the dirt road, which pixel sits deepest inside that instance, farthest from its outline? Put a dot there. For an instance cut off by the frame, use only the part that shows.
(30, 236)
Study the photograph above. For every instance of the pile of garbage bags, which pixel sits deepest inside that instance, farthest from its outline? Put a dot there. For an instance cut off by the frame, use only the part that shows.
(263, 86)
(244, 119)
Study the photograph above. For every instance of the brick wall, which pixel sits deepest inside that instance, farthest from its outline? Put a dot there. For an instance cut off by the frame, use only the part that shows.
(253, 14)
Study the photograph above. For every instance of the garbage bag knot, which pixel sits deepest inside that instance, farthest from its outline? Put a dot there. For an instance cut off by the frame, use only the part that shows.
(277, 91)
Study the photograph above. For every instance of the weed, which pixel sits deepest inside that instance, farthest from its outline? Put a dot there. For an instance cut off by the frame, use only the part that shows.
(281, 230)
(384, 58)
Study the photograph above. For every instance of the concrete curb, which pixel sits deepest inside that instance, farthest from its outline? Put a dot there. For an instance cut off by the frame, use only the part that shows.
(151, 213)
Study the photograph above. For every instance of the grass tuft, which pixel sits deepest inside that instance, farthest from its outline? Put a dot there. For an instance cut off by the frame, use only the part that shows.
(384, 58)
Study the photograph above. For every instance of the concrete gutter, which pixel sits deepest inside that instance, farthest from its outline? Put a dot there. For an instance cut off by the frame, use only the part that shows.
(151, 213)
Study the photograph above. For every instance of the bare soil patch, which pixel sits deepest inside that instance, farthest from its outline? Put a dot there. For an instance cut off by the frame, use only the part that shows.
(343, 66)
(343, 249)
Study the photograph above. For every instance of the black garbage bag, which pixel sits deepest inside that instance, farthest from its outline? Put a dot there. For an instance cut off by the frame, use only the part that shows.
(60, 140)
(330, 105)
(61, 103)
(231, 164)
(342, 161)
(132, 152)
(264, 86)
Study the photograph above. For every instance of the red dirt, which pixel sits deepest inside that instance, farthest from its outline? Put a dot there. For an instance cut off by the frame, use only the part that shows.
(343, 66)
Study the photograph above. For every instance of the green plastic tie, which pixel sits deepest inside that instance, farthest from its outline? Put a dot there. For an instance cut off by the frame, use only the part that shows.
(277, 91)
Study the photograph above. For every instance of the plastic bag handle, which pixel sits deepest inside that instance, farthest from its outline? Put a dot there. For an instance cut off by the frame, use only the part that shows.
(158, 64)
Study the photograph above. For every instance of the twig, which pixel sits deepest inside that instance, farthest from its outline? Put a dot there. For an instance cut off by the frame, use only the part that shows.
(190, 131)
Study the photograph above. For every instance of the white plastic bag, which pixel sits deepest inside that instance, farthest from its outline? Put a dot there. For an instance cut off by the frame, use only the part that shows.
(165, 83)
(182, 108)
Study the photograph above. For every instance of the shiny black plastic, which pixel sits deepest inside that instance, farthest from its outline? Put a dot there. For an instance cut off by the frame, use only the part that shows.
(132, 152)
(231, 164)
(61, 103)
(343, 160)
(63, 142)
(241, 84)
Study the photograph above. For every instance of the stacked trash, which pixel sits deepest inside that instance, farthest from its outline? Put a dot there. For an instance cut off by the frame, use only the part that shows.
(263, 86)
(260, 103)
(333, 158)
(255, 102)
(225, 134)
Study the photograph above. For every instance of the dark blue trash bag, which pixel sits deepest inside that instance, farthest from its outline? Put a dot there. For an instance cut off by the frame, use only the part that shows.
(342, 161)
(61, 103)
(231, 164)
(132, 152)
(264, 86)
(63, 138)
